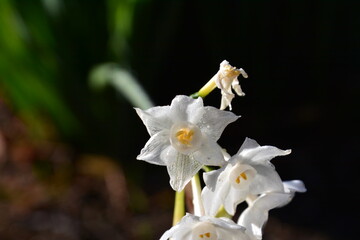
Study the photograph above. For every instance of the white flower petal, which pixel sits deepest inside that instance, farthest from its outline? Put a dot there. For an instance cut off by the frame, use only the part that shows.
(182, 230)
(205, 227)
(217, 188)
(236, 86)
(243, 73)
(225, 223)
(214, 121)
(266, 179)
(251, 151)
(155, 119)
(223, 83)
(184, 108)
(248, 144)
(294, 186)
(253, 219)
(256, 215)
(209, 153)
(226, 228)
(182, 235)
(226, 99)
(211, 201)
(181, 169)
(154, 147)
(169, 233)
(271, 200)
(225, 154)
(233, 198)
(290, 188)
(232, 234)
(211, 179)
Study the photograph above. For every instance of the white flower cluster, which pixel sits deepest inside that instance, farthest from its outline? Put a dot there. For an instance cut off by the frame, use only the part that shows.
(183, 137)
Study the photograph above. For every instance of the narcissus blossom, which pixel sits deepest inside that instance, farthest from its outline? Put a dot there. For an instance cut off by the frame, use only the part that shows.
(256, 214)
(226, 79)
(205, 228)
(183, 137)
(249, 172)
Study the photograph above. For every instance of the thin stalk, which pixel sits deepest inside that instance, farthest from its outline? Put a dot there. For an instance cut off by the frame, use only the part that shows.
(206, 89)
(196, 190)
(179, 206)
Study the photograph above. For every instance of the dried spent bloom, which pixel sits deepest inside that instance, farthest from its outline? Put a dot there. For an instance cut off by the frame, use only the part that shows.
(183, 137)
(226, 79)
(249, 172)
(256, 214)
(205, 228)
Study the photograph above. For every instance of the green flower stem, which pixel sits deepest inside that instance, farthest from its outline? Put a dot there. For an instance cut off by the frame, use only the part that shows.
(206, 89)
(196, 191)
(179, 208)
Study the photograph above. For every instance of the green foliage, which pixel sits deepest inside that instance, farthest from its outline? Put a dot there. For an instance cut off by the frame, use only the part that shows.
(48, 48)
(28, 68)
(121, 80)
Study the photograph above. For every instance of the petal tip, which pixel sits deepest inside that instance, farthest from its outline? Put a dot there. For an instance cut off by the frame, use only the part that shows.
(287, 151)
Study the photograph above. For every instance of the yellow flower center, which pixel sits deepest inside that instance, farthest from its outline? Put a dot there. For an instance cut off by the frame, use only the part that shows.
(208, 235)
(204, 230)
(241, 175)
(231, 72)
(185, 136)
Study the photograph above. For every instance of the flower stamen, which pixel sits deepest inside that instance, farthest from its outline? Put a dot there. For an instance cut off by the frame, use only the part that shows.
(204, 230)
(185, 136)
(242, 175)
(208, 235)
(239, 173)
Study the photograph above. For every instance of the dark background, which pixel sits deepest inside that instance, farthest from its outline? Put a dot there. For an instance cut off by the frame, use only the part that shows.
(302, 59)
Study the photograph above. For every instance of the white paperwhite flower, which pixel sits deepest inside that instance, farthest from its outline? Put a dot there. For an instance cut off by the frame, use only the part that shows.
(254, 217)
(205, 228)
(183, 137)
(227, 78)
(249, 172)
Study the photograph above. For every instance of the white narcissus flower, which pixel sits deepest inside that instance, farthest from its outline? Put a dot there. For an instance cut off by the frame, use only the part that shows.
(249, 172)
(205, 228)
(254, 217)
(183, 137)
(227, 78)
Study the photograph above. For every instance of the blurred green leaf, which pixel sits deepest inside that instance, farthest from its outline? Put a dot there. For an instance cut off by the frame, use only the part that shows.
(119, 78)
(120, 21)
(28, 68)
